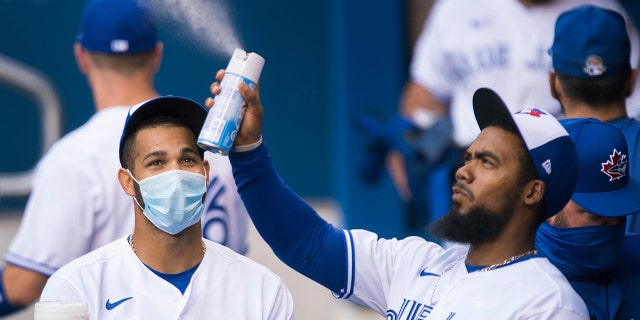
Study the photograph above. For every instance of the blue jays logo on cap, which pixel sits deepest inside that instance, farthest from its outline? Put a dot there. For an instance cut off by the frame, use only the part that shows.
(601, 181)
(533, 112)
(585, 38)
(594, 66)
(616, 166)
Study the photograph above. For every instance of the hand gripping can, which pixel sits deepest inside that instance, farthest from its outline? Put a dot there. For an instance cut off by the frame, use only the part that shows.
(223, 120)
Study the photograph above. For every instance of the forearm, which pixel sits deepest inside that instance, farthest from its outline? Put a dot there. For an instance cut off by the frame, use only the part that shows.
(18, 288)
(414, 98)
(292, 228)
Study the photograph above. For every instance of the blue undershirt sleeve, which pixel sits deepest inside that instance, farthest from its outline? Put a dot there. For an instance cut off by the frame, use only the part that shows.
(292, 228)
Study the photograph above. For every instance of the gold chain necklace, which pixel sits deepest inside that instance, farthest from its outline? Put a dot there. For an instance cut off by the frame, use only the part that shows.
(204, 247)
(491, 267)
(508, 261)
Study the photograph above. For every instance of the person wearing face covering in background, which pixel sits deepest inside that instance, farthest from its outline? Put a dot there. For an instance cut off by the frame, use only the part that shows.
(592, 77)
(586, 239)
(465, 45)
(165, 269)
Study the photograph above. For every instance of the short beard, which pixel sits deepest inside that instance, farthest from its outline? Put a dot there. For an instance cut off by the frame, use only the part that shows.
(478, 225)
(559, 220)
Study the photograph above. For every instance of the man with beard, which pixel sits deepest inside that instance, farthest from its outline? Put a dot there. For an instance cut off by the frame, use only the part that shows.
(519, 171)
(586, 239)
(465, 45)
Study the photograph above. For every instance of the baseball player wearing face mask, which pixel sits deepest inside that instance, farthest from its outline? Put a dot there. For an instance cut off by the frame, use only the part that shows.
(165, 269)
(586, 239)
(592, 76)
(519, 170)
(119, 53)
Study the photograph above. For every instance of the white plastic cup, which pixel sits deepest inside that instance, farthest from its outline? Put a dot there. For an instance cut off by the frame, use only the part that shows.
(61, 310)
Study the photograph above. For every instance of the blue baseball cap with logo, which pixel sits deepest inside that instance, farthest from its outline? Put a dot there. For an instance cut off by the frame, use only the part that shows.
(590, 42)
(549, 145)
(604, 185)
(118, 26)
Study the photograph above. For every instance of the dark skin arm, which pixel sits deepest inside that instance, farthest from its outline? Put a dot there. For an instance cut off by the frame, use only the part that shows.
(22, 287)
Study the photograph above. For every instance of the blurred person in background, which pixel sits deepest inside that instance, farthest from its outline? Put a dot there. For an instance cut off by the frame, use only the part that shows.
(592, 76)
(586, 239)
(464, 45)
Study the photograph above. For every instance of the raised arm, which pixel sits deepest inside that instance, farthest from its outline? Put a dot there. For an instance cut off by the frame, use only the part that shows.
(292, 228)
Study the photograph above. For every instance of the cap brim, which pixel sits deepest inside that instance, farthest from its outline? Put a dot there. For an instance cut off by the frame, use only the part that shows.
(615, 203)
(489, 108)
(190, 112)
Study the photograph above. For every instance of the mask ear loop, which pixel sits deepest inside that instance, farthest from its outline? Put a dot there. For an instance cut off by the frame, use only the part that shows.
(138, 203)
(206, 181)
(134, 198)
(132, 177)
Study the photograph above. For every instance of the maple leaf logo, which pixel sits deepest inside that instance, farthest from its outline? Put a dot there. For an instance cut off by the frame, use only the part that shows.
(616, 166)
(533, 112)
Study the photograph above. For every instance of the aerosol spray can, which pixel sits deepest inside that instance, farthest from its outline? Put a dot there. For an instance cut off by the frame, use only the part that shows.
(223, 120)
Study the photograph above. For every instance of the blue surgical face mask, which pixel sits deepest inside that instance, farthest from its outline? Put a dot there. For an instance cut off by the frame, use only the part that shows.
(172, 199)
(581, 252)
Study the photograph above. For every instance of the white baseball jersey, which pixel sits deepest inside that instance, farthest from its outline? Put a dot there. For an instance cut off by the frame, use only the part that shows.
(498, 44)
(225, 218)
(117, 285)
(416, 279)
(77, 204)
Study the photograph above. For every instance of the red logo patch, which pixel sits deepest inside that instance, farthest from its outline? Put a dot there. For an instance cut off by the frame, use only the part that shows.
(616, 166)
(535, 113)
(532, 112)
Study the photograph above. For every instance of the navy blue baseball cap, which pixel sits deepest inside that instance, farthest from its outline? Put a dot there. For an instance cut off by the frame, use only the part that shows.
(118, 26)
(549, 145)
(188, 111)
(590, 42)
(604, 185)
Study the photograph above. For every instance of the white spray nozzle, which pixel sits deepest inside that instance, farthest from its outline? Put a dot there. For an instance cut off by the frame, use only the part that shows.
(248, 65)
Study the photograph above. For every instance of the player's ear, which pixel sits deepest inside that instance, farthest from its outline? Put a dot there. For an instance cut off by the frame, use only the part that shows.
(207, 171)
(533, 192)
(126, 182)
(552, 85)
(157, 56)
(206, 166)
(81, 58)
